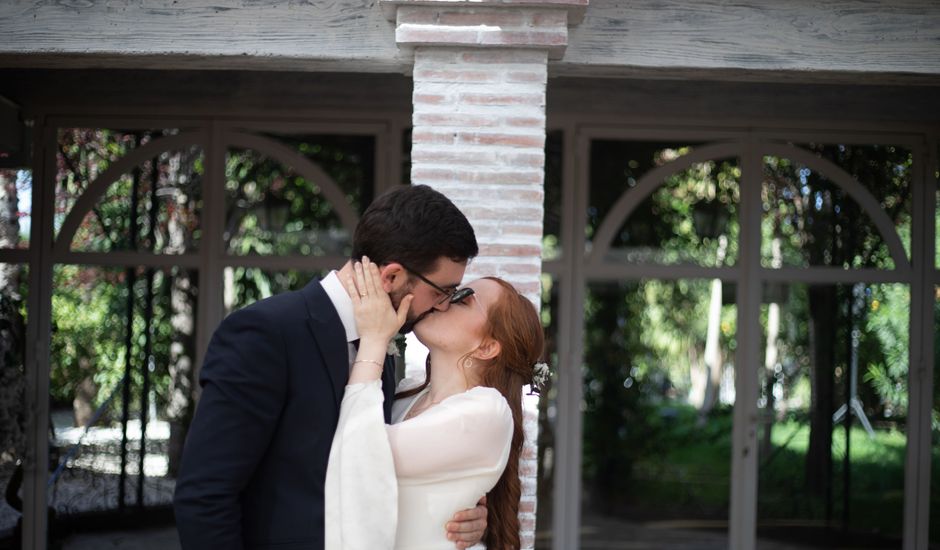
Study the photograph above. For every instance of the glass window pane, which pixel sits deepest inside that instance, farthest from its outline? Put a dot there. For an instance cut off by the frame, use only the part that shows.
(153, 207)
(935, 422)
(551, 221)
(274, 209)
(833, 406)
(246, 285)
(658, 401)
(16, 199)
(548, 413)
(348, 159)
(406, 156)
(690, 218)
(617, 166)
(13, 294)
(111, 327)
(809, 220)
(936, 212)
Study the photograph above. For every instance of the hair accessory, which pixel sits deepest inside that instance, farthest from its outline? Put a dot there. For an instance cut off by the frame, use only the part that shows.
(540, 376)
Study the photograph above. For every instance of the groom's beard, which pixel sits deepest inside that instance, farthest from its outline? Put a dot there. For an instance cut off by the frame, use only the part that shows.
(412, 319)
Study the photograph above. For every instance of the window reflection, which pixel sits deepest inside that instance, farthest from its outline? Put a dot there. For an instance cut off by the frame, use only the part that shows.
(658, 399)
(809, 220)
(16, 197)
(833, 407)
(272, 209)
(13, 295)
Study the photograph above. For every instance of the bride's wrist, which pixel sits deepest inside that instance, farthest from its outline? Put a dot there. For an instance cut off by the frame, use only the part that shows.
(365, 370)
(373, 338)
(372, 348)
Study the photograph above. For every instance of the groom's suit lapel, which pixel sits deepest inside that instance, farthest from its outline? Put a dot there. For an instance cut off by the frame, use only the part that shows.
(327, 330)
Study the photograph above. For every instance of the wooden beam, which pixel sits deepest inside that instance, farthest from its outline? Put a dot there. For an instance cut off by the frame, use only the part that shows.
(838, 41)
(834, 40)
(198, 34)
(187, 93)
(602, 101)
(745, 103)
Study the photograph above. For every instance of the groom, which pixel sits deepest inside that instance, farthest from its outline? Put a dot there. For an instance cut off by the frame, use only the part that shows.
(255, 459)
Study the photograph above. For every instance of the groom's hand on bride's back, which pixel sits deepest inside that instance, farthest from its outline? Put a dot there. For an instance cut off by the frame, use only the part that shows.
(466, 528)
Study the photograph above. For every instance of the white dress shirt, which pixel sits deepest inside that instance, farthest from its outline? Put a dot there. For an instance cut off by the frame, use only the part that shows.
(337, 294)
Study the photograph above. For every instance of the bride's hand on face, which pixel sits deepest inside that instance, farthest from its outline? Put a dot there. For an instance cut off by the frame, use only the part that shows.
(376, 318)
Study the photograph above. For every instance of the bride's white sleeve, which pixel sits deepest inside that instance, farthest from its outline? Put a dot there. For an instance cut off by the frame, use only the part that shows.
(361, 492)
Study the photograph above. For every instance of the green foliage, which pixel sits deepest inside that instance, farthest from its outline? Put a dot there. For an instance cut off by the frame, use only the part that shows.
(936, 385)
(89, 330)
(818, 222)
(681, 220)
(551, 247)
(12, 364)
(86, 331)
(616, 433)
(689, 472)
(272, 210)
(876, 478)
(888, 319)
(636, 375)
(252, 284)
(666, 221)
(152, 207)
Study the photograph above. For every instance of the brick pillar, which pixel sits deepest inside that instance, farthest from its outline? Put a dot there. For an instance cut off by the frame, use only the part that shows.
(479, 138)
(480, 71)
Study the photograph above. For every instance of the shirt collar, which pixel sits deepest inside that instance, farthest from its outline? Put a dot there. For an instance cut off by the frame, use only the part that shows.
(343, 304)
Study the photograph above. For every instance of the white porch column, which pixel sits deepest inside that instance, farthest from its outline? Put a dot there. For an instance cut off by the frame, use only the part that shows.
(480, 72)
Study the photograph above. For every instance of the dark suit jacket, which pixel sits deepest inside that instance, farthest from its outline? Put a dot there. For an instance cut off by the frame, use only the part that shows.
(254, 464)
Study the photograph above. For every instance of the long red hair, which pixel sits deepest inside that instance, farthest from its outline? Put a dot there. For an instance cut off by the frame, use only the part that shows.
(512, 321)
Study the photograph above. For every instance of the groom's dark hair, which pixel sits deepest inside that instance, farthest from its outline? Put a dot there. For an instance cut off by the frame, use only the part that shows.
(414, 225)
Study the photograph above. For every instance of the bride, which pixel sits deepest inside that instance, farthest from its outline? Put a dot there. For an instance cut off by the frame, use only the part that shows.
(453, 438)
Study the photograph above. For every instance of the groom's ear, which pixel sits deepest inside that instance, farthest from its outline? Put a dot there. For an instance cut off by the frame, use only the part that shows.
(393, 276)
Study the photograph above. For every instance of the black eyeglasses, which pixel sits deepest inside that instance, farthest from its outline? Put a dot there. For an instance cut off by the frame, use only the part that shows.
(453, 296)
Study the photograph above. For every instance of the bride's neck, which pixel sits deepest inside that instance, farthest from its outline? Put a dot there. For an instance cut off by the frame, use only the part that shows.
(447, 377)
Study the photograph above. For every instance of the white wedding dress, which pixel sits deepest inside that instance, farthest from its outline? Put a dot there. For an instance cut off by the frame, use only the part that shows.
(395, 486)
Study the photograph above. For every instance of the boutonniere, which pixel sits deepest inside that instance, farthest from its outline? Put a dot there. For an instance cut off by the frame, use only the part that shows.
(393, 348)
